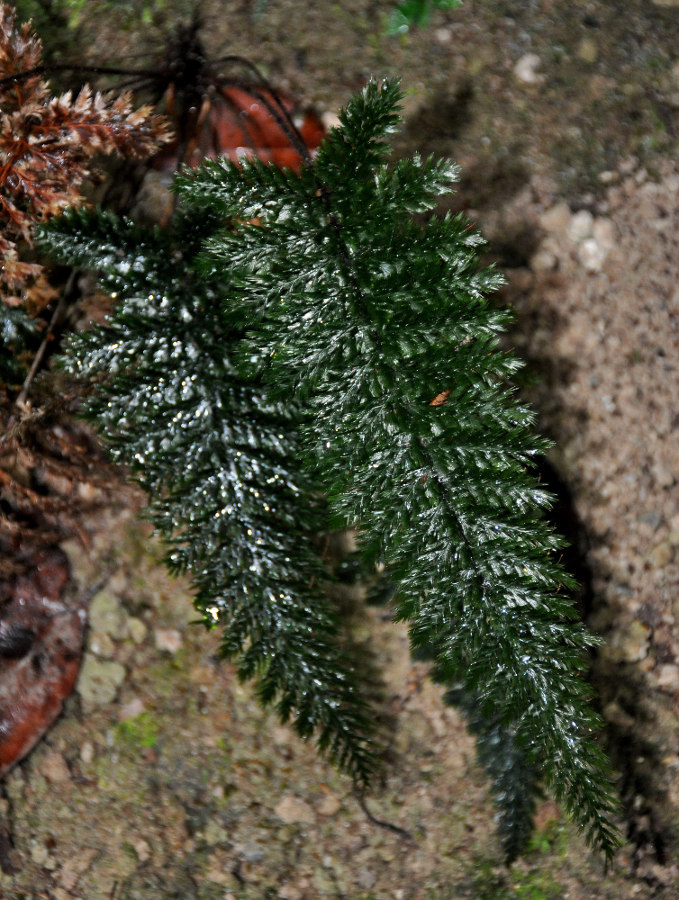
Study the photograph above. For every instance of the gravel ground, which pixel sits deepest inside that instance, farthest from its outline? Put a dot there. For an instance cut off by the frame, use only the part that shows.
(163, 778)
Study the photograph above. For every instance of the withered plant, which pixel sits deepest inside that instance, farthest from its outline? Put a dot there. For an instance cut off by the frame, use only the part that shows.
(48, 146)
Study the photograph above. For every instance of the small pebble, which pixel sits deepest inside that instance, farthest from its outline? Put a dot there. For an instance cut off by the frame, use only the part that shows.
(608, 176)
(131, 710)
(661, 555)
(54, 768)
(98, 682)
(101, 644)
(168, 639)
(329, 805)
(525, 69)
(668, 676)
(87, 752)
(588, 50)
(580, 226)
(250, 851)
(592, 255)
(290, 892)
(107, 615)
(293, 810)
(136, 629)
(662, 476)
(543, 261)
(628, 646)
(142, 849)
(557, 218)
(40, 855)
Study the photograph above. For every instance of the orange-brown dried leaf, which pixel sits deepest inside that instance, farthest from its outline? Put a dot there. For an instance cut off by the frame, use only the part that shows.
(40, 293)
(46, 142)
(20, 51)
(440, 399)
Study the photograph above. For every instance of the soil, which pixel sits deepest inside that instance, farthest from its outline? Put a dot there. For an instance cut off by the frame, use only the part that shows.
(163, 778)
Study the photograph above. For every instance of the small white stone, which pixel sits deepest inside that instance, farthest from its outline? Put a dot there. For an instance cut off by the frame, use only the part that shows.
(168, 639)
(668, 676)
(293, 810)
(557, 218)
(330, 120)
(629, 645)
(525, 69)
(290, 892)
(329, 805)
(662, 476)
(219, 876)
(580, 226)
(661, 555)
(54, 768)
(131, 710)
(608, 176)
(142, 849)
(592, 255)
(87, 752)
(40, 855)
(443, 35)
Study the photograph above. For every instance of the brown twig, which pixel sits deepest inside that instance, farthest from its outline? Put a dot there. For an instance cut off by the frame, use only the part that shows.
(23, 394)
(381, 823)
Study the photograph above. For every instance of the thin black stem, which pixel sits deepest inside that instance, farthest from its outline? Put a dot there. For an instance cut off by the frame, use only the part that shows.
(65, 67)
(382, 823)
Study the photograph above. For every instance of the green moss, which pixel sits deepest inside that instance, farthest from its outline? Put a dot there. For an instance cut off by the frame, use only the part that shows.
(536, 886)
(140, 731)
(552, 838)
(494, 883)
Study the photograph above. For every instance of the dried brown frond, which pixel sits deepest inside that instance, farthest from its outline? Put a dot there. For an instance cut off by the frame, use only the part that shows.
(46, 144)
(53, 472)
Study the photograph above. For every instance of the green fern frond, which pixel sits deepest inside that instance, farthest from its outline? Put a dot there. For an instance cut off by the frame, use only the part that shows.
(383, 327)
(218, 457)
(300, 349)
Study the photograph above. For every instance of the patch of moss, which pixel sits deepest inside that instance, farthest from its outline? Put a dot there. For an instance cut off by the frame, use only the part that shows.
(551, 838)
(493, 883)
(139, 731)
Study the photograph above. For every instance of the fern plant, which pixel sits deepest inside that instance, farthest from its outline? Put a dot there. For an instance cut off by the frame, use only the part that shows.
(303, 350)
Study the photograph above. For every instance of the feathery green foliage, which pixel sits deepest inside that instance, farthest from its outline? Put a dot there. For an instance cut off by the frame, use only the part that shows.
(326, 287)
(218, 457)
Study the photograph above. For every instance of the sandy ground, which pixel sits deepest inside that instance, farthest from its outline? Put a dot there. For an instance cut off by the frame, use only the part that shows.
(165, 779)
